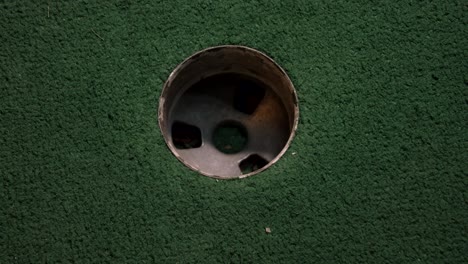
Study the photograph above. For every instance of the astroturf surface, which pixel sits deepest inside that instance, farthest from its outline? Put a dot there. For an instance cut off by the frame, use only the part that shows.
(377, 172)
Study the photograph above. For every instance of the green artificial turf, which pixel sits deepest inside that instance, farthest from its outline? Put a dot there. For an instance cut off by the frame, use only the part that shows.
(377, 172)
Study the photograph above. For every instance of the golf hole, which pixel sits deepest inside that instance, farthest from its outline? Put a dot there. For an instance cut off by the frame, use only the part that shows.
(228, 112)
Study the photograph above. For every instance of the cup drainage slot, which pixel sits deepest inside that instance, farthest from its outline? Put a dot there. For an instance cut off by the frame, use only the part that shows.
(247, 96)
(252, 163)
(185, 136)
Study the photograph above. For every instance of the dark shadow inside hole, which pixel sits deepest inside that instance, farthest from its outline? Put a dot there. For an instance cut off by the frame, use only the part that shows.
(185, 136)
(252, 163)
(242, 92)
(247, 96)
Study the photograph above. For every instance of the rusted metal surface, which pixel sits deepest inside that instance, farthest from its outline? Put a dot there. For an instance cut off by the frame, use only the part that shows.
(228, 84)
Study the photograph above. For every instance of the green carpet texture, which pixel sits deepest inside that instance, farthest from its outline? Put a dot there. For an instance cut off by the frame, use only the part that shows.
(377, 173)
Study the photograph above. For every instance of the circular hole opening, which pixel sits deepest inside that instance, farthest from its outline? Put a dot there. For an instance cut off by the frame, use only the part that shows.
(228, 112)
(230, 137)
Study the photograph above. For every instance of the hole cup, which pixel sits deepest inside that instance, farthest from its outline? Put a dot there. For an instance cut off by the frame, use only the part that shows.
(228, 85)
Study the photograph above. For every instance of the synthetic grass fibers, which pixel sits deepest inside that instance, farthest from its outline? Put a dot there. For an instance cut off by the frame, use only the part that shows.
(379, 171)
